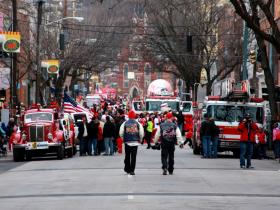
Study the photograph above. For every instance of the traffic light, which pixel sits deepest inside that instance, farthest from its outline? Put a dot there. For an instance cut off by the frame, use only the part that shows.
(252, 56)
(189, 43)
(2, 95)
(61, 41)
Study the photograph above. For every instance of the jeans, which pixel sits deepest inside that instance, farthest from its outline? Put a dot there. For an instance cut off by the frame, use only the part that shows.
(214, 147)
(246, 151)
(262, 151)
(130, 158)
(181, 126)
(83, 146)
(109, 146)
(93, 146)
(206, 146)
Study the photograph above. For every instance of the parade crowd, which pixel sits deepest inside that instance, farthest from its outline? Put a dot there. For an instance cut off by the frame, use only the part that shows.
(111, 127)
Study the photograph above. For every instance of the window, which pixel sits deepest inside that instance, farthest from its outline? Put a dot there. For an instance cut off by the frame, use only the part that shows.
(159, 75)
(125, 70)
(135, 67)
(125, 84)
(147, 69)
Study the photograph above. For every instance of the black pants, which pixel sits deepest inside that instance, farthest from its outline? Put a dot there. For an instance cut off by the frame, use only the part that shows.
(167, 157)
(262, 151)
(148, 138)
(130, 158)
(83, 145)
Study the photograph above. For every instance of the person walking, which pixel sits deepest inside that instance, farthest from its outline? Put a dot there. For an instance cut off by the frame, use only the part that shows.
(180, 121)
(132, 133)
(169, 134)
(205, 135)
(109, 135)
(215, 131)
(148, 133)
(248, 130)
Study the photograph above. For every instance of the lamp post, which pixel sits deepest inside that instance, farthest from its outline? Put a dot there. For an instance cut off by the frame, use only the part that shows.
(194, 90)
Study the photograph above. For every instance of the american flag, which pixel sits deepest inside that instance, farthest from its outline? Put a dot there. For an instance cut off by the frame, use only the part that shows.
(71, 106)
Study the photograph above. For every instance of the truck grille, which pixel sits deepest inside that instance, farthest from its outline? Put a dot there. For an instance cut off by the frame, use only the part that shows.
(36, 133)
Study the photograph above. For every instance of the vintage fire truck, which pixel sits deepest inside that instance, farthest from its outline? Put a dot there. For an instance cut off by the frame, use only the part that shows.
(44, 133)
(227, 113)
(160, 97)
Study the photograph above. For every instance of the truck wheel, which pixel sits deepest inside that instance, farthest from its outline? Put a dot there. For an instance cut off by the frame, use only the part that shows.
(18, 154)
(60, 152)
(28, 156)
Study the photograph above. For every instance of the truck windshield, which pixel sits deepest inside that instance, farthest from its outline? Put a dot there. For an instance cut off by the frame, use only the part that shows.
(187, 107)
(38, 116)
(153, 106)
(137, 106)
(156, 105)
(230, 113)
(174, 105)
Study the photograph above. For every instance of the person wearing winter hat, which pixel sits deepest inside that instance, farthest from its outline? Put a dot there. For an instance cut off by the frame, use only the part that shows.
(169, 134)
(132, 133)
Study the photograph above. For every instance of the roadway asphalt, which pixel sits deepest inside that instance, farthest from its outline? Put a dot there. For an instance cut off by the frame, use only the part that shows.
(99, 182)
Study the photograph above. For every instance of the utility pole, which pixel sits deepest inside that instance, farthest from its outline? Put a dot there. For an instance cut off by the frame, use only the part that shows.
(13, 83)
(38, 71)
(245, 51)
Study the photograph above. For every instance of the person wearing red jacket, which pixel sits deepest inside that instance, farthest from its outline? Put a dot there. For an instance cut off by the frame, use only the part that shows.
(261, 141)
(248, 130)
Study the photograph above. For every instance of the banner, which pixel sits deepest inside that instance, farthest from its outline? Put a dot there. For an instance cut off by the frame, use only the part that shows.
(51, 65)
(10, 41)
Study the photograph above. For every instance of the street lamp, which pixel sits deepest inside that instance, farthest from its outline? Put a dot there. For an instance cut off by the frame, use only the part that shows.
(80, 19)
(194, 90)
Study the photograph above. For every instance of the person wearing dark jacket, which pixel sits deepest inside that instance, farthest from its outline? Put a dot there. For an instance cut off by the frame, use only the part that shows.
(82, 136)
(92, 135)
(215, 131)
(205, 135)
(169, 134)
(109, 135)
(180, 121)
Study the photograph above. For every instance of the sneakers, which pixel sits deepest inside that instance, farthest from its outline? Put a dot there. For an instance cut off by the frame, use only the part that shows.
(243, 167)
(170, 172)
(250, 167)
(132, 173)
(164, 172)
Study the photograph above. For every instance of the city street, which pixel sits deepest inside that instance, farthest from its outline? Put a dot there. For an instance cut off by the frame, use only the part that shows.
(99, 182)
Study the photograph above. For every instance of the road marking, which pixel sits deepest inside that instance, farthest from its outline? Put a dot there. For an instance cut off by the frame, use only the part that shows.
(132, 195)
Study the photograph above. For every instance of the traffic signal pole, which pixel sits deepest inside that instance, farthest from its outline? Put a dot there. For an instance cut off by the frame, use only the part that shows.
(38, 71)
(245, 51)
(14, 69)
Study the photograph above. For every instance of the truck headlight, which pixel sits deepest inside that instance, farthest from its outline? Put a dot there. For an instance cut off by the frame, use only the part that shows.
(24, 136)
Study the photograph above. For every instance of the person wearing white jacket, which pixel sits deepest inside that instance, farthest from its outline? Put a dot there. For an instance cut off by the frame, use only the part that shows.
(132, 132)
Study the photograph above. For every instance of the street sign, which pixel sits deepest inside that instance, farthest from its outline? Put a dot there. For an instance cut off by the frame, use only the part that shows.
(10, 41)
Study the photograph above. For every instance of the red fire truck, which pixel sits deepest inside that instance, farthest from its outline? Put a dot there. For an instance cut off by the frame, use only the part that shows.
(227, 113)
(43, 132)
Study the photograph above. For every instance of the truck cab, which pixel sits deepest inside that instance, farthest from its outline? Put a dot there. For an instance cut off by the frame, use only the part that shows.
(42, 133)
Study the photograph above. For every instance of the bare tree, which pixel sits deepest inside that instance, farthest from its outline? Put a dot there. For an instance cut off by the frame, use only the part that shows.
(253, 12)
(175, 25)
